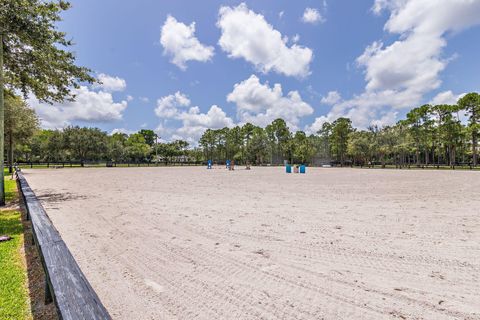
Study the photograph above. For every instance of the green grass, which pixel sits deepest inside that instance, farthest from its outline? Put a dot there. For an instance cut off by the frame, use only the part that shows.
(10, 190)
(14, 298)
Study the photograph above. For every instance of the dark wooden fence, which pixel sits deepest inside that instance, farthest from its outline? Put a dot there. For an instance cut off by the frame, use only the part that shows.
(71, 164)
(66, 285)
(374, 165)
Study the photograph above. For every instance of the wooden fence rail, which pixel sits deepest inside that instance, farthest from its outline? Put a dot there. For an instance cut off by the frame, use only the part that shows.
(63, 164)
(66, 285)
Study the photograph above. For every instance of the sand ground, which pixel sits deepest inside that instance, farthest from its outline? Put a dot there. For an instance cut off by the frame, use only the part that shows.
(191, 243)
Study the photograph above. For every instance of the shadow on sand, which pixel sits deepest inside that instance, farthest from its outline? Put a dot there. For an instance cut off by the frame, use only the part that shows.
(51, 197)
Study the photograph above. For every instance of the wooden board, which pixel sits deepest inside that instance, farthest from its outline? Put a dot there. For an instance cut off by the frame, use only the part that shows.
(71, 291)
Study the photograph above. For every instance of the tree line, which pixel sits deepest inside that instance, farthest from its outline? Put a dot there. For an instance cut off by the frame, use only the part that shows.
(83, 145)
(429, 135)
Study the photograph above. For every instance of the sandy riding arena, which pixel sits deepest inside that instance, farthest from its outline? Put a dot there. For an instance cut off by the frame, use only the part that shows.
(191, 243)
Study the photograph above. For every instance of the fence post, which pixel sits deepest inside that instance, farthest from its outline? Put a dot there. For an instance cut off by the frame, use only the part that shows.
(48, 293)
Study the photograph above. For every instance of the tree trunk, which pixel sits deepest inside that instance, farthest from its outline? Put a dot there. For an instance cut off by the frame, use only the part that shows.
(474, 147)
(2, 183)
(10, 152)
(452, 156)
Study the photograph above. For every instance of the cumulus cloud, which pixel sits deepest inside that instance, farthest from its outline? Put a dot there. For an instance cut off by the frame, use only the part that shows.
(193, 122)
(180, 43)
(312, 15)
(399, 75)
(260, 104)
(89, 105)
(316, 125)
(167, 106)
(247, 35)
(369, 108)
(110, 83)
(122, 130)
(414, 62)
(446, 97)
(332, 98)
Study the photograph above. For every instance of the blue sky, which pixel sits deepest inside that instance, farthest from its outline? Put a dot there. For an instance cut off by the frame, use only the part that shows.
(370, 60)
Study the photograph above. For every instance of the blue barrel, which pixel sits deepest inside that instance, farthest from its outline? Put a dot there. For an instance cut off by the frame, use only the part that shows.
(288, 168)
(302, 169)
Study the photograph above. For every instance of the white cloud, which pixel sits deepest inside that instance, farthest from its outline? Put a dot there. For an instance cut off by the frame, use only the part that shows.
(122, 130)
(179, 42)
(414, 61)
(129, 98)
(446, 97)
(367, 107)
(332, 98)
(429, 17)
(385, 119)
(412, 64)
(163, 132)
(110, 83)
(280, 14)
(316, 125)
(89, 105)
(167, 106)
(193, 122)
(400, 74)
(260, 104)
(144, 99)
(361, 117)
(296, 38)
(312, 15)
(247, 35)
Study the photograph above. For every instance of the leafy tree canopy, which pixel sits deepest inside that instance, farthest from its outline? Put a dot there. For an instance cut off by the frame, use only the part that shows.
(35, 56)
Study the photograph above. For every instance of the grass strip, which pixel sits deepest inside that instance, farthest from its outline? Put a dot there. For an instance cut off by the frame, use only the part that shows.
(14, 297)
